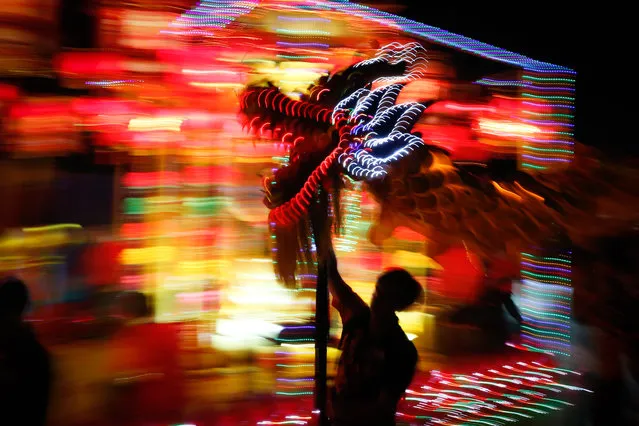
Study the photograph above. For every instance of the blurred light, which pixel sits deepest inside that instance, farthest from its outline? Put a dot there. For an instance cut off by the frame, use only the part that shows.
(507, 128)
(151, 124)
(61, 226)
(148, 255)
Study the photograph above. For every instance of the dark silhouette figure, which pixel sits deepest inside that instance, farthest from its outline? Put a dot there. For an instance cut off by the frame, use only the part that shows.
(25, 365)
(378, 361)
(487, 312)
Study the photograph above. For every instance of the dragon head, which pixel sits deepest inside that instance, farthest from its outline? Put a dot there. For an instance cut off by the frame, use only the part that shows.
(351, 124)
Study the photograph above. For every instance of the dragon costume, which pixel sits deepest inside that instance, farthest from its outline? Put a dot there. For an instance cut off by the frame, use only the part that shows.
(346, 127)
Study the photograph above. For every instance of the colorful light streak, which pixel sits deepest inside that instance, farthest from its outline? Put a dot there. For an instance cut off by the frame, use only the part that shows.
(352, 216)
(214, 13)
(549, 94)
(546, 302)
(363, 159)
(524, 389)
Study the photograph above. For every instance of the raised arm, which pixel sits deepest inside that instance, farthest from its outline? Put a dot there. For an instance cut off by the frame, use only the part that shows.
(345, 300)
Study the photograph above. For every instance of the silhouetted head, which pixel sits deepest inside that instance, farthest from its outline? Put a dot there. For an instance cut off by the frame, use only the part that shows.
(396, 290)
(135, 305)
(14, 298)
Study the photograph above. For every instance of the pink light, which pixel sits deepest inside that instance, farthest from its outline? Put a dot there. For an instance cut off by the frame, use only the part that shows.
(200, 296)
(97, 106)
(506, 128)
(468, 107)
(132, 281)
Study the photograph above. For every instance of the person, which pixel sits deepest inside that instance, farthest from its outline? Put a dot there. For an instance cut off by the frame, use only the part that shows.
(147, 381)
(25, 365)
(378, 361)
(487, 314)
(498, 294)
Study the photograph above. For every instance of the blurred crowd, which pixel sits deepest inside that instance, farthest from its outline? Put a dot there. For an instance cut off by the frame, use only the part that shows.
(145, 379)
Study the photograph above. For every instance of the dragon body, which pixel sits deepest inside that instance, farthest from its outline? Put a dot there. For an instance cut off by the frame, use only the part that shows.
(344, 127)
(347, 126)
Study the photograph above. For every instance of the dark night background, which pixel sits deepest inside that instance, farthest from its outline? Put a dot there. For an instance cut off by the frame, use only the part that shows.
(592, 38)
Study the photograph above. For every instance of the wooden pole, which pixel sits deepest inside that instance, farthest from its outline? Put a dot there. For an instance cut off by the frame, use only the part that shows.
(321, 343)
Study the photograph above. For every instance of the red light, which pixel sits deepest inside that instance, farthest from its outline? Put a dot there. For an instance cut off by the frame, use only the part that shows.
(8, 93)
(40, 109)
(459, 108)
(89, 64)
(151, 179)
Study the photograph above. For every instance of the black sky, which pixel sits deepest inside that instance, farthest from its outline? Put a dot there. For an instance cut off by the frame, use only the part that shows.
(594, 39)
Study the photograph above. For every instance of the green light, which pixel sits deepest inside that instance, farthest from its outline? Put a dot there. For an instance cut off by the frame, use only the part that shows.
(205, 206)
(549, 114)
(550, 259)
(545, 276)
(533, 166)
(534, 349)
(287, 340)
(537, 332)
(566, 80)
(559, 98)
(548, 314)
(133, 206)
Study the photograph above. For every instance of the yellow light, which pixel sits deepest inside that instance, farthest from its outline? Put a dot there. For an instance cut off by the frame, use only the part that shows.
(408, 259)
(440, 162)
(506, 192)
(198, 266)
(50, 239)
(505, 128)
(151, 124)
(292, 72)
(53, 227)
(147, 255)
(412, 322)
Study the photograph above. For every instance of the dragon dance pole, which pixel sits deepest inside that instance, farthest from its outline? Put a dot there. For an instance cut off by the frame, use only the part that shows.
(321, 342)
